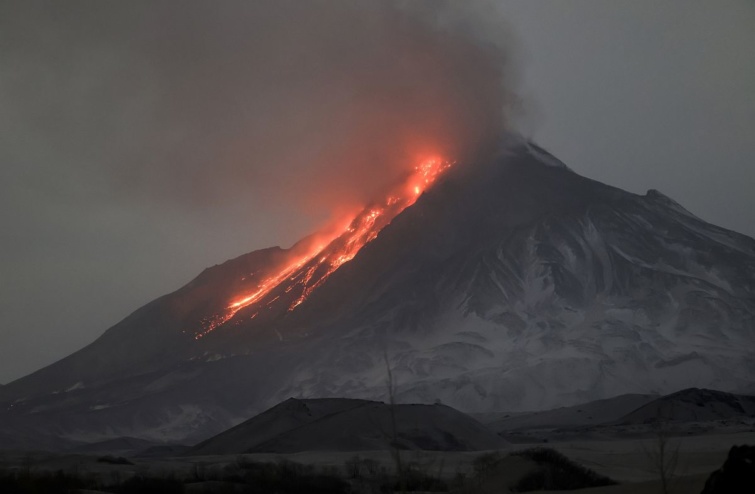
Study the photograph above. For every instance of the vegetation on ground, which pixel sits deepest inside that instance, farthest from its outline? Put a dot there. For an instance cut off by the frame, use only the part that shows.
(557, 472)
(358, 476)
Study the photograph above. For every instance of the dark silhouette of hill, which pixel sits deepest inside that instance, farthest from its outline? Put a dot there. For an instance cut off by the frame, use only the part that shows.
(351, 425)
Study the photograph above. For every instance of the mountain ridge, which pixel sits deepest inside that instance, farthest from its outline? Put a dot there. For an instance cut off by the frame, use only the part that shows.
(351, 425)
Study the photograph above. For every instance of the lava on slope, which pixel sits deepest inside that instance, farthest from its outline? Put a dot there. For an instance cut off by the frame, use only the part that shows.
(304, 273)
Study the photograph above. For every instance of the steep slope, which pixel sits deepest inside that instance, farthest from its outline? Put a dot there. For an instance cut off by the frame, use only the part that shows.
(522, 285)
(511, 284)
(352, 425)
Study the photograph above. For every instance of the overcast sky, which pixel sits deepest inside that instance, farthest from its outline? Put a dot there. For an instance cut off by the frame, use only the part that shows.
(141, 142)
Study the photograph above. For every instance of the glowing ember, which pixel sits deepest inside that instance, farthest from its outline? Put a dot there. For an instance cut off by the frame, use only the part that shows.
(302, 275)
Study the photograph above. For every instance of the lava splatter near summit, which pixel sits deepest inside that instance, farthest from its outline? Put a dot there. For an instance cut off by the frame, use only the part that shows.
(304, 273)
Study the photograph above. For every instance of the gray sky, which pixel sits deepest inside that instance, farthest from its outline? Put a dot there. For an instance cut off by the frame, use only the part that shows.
(141, 142)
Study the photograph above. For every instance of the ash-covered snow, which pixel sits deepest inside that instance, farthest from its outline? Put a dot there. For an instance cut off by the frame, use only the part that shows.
(512, 284)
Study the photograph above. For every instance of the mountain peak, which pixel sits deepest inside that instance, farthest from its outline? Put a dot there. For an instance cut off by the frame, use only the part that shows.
(510, 284)
(661, 198)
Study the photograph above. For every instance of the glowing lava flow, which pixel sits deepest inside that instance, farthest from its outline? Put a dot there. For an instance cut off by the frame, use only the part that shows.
(295, 281)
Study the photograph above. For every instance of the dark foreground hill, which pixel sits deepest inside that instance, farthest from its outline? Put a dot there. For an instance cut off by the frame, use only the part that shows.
(688, 412)
(693, 405)
(351, 425)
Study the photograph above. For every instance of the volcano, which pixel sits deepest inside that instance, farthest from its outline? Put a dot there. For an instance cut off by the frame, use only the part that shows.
(511, 283)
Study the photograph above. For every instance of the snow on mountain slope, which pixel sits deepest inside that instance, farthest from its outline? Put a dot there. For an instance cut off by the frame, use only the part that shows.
(577, 416)
(511, 284)
(692, 405)
(536, 288)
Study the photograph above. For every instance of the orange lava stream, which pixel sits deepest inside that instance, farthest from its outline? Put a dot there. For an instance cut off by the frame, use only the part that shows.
(307, 272)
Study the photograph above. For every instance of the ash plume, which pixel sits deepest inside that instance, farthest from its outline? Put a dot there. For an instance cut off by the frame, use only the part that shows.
(318, 104)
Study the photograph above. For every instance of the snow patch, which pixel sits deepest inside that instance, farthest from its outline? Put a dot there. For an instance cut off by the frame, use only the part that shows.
(78, 385)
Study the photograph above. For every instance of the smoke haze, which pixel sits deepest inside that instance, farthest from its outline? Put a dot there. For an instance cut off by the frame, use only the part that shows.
(315, 103)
